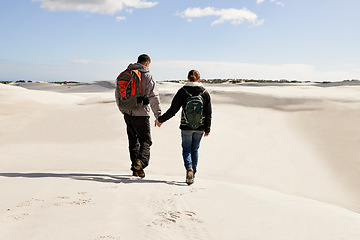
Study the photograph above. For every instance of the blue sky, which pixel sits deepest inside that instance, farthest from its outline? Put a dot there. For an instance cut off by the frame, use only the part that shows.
(90, 40)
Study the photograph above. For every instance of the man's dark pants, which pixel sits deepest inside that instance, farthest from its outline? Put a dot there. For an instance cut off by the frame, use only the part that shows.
(138, 131)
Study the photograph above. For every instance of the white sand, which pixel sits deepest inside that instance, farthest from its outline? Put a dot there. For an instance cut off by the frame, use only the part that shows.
(281, 162)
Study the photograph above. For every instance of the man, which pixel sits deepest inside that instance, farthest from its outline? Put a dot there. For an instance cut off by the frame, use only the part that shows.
(138, 120)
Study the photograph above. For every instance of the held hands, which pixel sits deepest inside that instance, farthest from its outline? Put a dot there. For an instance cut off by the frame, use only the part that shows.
(157, 123)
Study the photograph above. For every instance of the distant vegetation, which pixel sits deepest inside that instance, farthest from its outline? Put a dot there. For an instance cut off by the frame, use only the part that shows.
(5, 82)
(233, 81)
(65, 82)
(211, 81)
(248, 81)
(29, 81)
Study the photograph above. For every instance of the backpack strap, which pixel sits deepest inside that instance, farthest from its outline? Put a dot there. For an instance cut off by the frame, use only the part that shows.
(193, 95)
(187, 92)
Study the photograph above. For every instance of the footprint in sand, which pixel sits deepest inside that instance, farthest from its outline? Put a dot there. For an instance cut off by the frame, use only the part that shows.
(109, 237)
(168, 217)
(19, 212)
(84, 199)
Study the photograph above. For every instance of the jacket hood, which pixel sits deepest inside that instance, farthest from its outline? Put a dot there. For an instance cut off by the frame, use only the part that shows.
(194, 87)
(138, 66)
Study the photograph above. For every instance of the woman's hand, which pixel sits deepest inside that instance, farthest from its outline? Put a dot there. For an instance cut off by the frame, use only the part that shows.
(157, 123)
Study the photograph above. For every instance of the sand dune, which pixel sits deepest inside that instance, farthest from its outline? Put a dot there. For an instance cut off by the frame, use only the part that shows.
(281, 162)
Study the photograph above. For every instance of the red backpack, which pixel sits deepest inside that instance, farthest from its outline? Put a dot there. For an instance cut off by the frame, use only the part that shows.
(129, 84)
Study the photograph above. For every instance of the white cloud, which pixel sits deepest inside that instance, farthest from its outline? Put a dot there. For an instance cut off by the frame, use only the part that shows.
(278, 3)
(120, 18)
(232, 15)
(231, 70)
(272, 1)
(129, 10)
(178, 69)
(94, 6)
(94, 70)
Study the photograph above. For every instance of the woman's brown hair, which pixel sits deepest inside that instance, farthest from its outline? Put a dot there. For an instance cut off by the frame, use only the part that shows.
(193, 76)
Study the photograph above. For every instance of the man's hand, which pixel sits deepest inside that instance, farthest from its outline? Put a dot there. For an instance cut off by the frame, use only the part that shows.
(157, 123)
(206, 134)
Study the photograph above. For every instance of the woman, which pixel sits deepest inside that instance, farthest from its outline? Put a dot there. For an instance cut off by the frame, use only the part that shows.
(195, 120)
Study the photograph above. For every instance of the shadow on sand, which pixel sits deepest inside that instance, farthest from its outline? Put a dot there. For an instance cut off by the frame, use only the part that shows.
(103, 178)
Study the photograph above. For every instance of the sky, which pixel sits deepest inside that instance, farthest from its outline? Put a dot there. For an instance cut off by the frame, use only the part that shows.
(92, 40)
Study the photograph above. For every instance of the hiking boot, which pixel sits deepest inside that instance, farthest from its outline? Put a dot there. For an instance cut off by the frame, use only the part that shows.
(138, 165)
(189, 176)
(135, 173)
(141, 173)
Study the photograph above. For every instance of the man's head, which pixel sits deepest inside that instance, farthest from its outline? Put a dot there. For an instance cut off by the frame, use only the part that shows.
(144, 59)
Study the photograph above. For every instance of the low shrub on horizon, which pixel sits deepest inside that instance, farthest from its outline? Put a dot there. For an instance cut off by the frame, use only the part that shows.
(65, 82)
(234, 81)
(5, 82)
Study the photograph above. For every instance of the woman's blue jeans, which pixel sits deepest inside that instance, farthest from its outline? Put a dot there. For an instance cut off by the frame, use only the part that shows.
(190, 146)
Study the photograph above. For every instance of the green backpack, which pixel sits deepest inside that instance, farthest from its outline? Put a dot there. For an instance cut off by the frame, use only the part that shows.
(192, 114)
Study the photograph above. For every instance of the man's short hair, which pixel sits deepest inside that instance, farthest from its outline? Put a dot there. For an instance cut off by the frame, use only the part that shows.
(143, 58)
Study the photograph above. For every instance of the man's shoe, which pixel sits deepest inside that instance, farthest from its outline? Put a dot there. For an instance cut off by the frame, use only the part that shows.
(135, 173)
(189, 176)
(141, 173)
(138, 165)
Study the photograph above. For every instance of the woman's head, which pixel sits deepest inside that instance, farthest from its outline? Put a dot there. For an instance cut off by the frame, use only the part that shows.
(194, 76)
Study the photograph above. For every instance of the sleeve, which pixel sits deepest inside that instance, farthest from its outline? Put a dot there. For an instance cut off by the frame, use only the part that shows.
(153, 94)
(207, 112)
(175, 106)
(117, 96)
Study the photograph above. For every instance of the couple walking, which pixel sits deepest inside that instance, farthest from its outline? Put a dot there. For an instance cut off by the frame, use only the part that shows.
(192, 98)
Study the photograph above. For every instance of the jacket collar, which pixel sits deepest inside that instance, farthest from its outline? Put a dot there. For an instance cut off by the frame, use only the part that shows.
(193, 84)
(138, 66)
